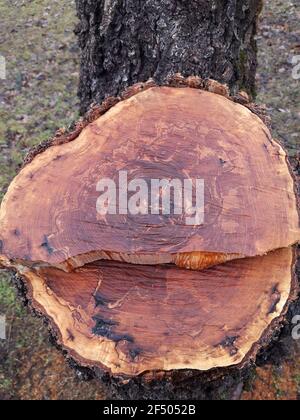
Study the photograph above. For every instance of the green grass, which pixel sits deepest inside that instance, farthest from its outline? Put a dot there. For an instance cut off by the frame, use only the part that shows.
(39, 46)
(7, 294)
(297, 379)
(277, 89)
(37, 98)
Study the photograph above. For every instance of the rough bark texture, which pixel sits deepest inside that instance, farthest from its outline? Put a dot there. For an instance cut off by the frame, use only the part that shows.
(127, 41)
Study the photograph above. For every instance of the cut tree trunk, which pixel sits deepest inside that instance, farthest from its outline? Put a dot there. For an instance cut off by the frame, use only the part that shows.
(132, 319)
(159, 133)
(160, 332)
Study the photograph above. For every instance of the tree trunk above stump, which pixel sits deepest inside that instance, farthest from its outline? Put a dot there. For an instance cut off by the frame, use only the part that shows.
(124, 41)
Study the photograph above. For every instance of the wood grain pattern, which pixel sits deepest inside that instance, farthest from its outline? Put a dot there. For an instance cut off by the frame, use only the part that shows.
(130, 319)
(49, 213)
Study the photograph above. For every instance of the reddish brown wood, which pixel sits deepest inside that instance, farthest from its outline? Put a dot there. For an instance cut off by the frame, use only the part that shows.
(129, 319)
(49, 213)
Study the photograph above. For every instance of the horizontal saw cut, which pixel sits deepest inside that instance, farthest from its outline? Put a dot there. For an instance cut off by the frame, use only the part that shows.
(129, 319)
(49, 215)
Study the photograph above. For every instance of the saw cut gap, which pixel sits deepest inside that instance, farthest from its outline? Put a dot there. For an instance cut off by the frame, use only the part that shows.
(49, 213)
(129, 319)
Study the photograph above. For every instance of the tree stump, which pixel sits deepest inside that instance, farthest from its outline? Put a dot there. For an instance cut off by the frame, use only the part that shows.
(160, 309)
(109, 286)
(159, 133)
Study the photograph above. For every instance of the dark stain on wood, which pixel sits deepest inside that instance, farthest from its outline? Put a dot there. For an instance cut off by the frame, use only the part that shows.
(275, 297)
(70, 335)
(47, 245)
(134, 353)
(58, 157)
(100, 300)
(1, 245)
(229, 343)
(105, 328)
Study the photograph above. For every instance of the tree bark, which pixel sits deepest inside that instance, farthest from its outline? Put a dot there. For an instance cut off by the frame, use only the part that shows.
(127, 41)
